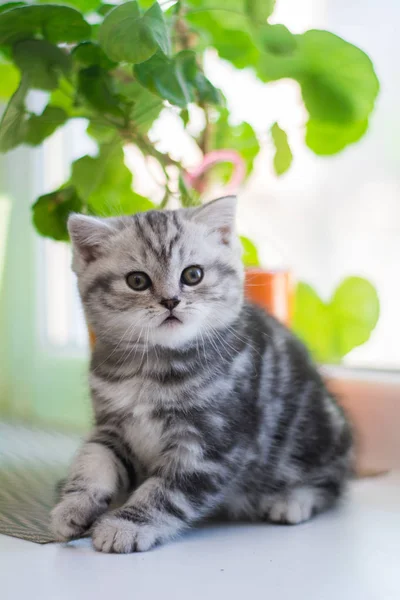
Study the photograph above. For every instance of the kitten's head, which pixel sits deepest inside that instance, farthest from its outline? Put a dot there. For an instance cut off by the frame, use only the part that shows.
(161, 277)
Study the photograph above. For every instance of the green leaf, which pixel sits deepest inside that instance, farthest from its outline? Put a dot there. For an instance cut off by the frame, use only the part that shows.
(202, 88)
(104, 9)
(144, 106)
(96, 87)
(237, 137)
(332, 329)
(325, 138)
(127, 35)
(9, 79)
(283, 154)
(218, 27)
(12, 125)
(105, 182)
(85, 6)
(41, 62)
(259, 10)
(355, 313)
(185, 116)
(10, 5)
(188, 196)
(164, 77)
(51, 211)
(38, 128)
(312, 323)
(65, 97)
(55, 23)
(91, 54)
(276, 39)
(250, 253)
(214, 33)
(153, 20)
(100, 132)
(337, 80)
(340, 84)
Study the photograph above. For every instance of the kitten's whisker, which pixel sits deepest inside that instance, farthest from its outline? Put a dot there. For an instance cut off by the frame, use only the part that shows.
(214, 345)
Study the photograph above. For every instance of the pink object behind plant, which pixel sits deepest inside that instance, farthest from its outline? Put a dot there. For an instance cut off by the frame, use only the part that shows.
(193, 177)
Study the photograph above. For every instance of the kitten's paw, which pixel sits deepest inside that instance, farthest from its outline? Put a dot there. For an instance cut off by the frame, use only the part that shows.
(297, 507)
(74, 515)
(113, 534)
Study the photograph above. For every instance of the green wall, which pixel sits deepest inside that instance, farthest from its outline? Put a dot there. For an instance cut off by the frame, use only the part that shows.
(38, 384)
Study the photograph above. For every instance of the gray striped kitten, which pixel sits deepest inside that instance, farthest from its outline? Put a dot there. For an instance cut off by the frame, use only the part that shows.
(204, 405)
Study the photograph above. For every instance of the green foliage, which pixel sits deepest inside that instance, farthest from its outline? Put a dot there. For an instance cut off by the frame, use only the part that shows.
(340, 84)
(119, 73)
(39, 127)
(10, 5)
(143, 106)
(164, 77)
(331, 329)
(90, 54)
(275, 39)
(50, 212)
(325, 138)
(12, 126)
(250, 253)
(236, 137)
(128, 35)
(104, 183)
(200, 88)
(9, 78)
(178, 80)
(85, 6)
(259, 10)
(218, 28)
(283, 155)
(41, 63)
(95, 88)
(55, 23)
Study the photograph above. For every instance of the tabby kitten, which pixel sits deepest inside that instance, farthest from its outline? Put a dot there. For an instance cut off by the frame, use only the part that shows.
(203, 403)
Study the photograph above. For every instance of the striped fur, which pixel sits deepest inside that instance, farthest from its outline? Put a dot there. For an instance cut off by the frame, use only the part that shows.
(220, 413)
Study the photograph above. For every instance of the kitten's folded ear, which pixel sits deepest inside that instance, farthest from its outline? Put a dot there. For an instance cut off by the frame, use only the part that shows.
(88, 235)
(218, 215)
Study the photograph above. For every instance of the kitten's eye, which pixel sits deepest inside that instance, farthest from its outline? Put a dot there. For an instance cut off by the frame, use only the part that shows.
(192, 275)
(138, 281)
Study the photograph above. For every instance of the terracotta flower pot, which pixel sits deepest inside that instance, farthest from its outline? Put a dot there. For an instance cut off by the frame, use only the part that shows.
(273, 291)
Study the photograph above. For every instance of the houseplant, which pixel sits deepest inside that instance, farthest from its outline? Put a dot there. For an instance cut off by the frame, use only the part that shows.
(119, 66)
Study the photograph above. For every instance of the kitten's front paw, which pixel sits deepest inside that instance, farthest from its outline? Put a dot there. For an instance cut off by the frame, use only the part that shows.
(113, 534)
(74, 515)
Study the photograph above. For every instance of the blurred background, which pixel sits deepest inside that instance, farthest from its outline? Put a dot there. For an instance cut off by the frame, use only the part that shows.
(326, 218)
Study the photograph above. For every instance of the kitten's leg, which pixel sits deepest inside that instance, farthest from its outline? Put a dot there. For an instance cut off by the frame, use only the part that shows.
(100, 470)
(296, 505)
(158, 510)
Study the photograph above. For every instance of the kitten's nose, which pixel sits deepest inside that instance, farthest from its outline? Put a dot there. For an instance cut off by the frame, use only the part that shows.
(170, 303)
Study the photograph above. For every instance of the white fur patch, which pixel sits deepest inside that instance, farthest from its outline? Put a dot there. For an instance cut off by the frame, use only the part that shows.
(297, 507)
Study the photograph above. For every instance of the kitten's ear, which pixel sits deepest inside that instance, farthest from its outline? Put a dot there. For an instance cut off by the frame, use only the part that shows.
(219, 215)
(88, 235)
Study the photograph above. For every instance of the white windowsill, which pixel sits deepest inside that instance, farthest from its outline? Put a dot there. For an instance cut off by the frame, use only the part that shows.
(350, 553)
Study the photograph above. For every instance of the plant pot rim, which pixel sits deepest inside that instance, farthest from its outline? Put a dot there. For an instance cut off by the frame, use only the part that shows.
(275, 271)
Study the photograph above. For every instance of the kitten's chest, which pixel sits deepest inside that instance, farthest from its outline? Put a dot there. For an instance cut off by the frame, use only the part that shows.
(145, 435)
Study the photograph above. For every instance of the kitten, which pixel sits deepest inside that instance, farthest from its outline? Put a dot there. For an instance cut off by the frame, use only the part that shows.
(203, 404)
